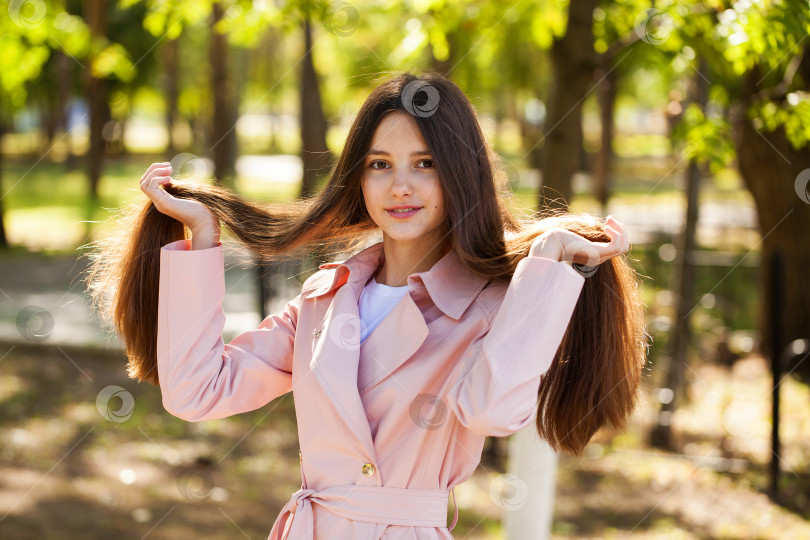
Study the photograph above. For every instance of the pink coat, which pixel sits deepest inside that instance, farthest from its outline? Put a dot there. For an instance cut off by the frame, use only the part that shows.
(386, 429)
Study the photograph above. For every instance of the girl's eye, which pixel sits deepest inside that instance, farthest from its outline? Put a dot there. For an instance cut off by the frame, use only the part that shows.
(428, 162)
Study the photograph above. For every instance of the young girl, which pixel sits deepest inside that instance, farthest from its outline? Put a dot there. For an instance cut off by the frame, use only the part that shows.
(405, 356)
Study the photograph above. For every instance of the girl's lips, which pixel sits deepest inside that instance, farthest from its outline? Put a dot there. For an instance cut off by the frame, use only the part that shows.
(402, 215)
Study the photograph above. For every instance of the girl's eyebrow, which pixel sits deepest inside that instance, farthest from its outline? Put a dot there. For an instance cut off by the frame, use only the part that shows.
(374, 151)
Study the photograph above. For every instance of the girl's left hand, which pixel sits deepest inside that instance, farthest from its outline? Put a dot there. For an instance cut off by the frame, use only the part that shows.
(564, 245)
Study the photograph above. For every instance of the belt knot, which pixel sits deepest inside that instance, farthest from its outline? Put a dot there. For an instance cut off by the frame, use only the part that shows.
(298, 498)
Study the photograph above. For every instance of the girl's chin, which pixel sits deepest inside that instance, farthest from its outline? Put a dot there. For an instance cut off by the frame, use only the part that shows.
(404, 236)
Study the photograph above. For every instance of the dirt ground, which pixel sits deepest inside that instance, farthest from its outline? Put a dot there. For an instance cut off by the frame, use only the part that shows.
(69, 472)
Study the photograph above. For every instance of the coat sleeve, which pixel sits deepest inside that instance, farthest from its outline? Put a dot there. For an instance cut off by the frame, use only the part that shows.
(201, 377)
(494, 389)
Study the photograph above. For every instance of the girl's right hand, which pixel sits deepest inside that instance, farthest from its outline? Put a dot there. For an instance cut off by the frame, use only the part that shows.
(191, 213)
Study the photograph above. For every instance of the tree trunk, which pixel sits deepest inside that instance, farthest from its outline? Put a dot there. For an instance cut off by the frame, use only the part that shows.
(3, 237)
(573, 62)
(223, 128)
(770, 168)
(315, 155)
(680, 335)
(96, 16)
(533, 135)
(170, 87)
(64, 77)
(602, 171)
(271, 51)
(57, 98)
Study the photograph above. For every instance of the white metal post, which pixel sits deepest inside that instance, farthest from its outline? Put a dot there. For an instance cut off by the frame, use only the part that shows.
(533, 464)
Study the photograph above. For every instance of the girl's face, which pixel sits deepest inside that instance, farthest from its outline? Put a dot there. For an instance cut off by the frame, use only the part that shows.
(399, 172)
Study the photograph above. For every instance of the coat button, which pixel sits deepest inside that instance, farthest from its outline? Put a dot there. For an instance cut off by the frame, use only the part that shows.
(317, 333)
(368, 469)
(300, 457)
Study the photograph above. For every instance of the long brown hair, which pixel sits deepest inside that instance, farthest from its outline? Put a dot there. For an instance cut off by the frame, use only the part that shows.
(594, 379)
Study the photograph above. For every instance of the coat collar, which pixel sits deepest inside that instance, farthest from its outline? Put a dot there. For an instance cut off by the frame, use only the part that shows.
(450, 285)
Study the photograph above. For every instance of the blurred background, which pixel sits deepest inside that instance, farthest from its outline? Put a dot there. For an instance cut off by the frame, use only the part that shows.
(688, 121)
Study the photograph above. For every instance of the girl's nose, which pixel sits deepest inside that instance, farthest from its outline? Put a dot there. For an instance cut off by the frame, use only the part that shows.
(402, 184)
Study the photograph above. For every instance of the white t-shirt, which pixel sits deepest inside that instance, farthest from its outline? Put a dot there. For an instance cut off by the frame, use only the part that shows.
(376, 301)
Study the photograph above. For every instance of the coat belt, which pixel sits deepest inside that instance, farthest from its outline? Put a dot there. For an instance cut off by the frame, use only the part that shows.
(369, 504)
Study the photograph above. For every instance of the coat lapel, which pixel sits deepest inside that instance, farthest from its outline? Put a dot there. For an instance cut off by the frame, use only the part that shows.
(335, 362)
